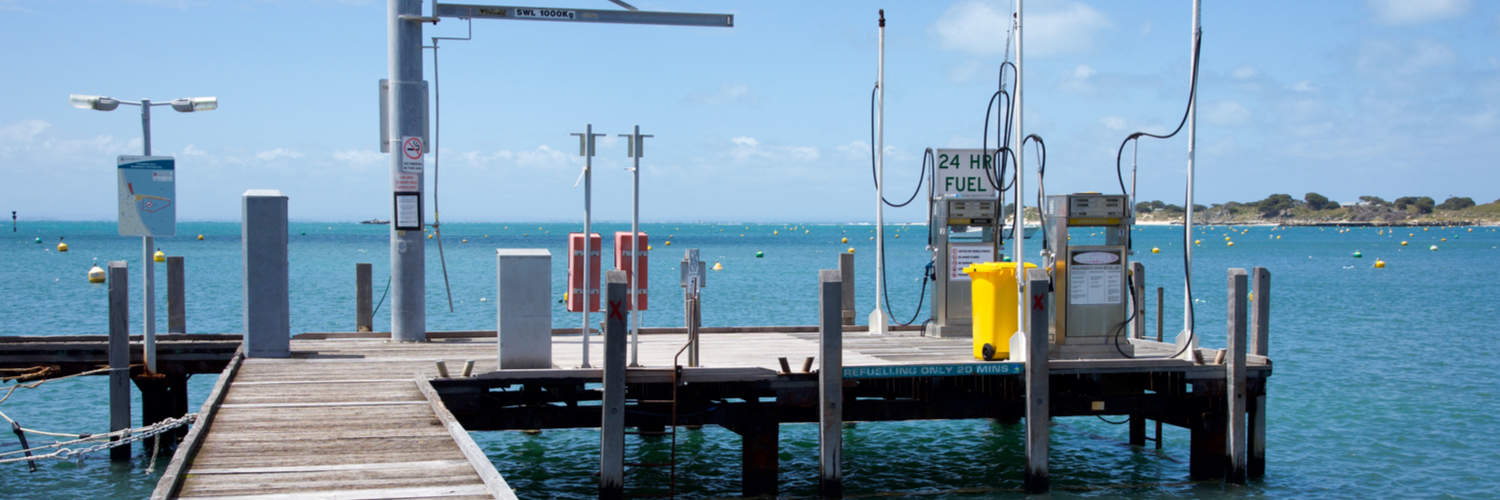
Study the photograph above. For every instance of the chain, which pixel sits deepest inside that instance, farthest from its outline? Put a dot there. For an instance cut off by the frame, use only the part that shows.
(125, 436)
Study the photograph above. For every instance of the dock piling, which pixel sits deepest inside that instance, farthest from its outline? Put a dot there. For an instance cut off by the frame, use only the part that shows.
(1138, 330)
(612, 429)
(176, 307)
(1260, 321)
(119, 355)
(363, 315)
(1235, 376)
(831, 315)
(1038, 401)
(846, 287)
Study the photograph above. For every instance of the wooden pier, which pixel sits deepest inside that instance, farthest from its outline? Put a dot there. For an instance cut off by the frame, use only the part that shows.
(354, 415)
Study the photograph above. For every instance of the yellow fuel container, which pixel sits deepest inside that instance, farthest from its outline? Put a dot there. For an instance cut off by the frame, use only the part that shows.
(994, 290)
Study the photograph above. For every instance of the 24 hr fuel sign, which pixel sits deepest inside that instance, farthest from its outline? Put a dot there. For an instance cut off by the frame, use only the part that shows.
(961, 172)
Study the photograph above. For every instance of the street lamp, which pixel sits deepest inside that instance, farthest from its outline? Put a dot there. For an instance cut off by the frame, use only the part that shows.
(185, 105)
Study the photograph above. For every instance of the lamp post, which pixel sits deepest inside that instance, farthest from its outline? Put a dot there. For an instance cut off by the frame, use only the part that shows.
(184, 105)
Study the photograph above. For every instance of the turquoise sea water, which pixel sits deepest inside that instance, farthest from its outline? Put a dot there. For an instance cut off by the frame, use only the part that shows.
(1384, 379)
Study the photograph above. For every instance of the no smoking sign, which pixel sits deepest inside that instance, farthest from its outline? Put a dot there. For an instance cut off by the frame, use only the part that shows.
(411, 154)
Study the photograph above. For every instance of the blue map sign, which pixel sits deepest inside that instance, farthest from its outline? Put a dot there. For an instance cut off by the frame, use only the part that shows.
(148, 192)
(947, 370)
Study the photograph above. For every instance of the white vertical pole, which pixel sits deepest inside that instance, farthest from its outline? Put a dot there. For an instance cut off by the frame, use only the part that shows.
(1187, 305)
(635, 150)
(148, 266)
(878, 320)
(1019, 255)
(588, 234)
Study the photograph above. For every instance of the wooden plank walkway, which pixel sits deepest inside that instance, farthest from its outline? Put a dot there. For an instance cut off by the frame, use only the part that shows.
(339, 419)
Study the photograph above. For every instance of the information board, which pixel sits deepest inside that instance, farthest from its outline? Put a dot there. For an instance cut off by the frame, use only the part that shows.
(148, 192)
(961, 256)
(961, 173)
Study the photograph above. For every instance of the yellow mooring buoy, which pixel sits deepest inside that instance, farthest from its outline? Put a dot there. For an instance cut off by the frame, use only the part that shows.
(62, 247)
(718, 266)
(200, 237)
(159, 256)
(1379, 264)
(96, 274)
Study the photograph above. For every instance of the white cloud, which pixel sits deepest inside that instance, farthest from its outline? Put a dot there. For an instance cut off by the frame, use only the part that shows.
(980, 28)
(1303, 86)
(542, 156)
(359, 157)
(748, 148)
(1113, 122)
(23, 131)
(1081, 79)
(1083, 72)
(1226, 113)
(1380, 57)
(1417, 11)
(1244, 73)
(277, 154)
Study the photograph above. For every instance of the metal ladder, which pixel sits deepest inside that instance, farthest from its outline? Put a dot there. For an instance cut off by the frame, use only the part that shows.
(671, 463)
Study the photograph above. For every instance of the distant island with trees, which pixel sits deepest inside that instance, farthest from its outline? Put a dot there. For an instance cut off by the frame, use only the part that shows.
(1317, 210)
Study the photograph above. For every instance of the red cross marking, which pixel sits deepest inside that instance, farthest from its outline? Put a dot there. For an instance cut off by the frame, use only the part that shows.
(616, 310)
(1037, 304)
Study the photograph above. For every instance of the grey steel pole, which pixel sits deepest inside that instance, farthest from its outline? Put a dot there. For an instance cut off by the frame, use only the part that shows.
(588, 234)
(404, 39)
(635, 149)
(148, 266)
(586, 149)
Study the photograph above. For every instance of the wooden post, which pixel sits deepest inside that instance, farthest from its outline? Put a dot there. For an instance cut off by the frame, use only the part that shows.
(1138, 330)
(1206, 437)
(1235, 376)
(119, 354)
(176, 307)
(759, 456)
(1159, 295)
(362, 303)
(846, 287)
(612, 429)
(1138, 290)
(830, 382)
(1260, 312)
(1038, 401)
(1260, 335)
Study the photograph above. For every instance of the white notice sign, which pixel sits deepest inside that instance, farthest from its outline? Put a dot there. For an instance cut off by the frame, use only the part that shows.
(1094, 284)
(408, 211)
(960, 256)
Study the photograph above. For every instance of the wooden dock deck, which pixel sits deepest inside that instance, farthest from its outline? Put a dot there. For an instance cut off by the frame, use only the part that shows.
(339, 419)
(355, 415)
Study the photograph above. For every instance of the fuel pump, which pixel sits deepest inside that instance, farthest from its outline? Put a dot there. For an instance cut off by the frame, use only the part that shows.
(963, 211)
(1089, 281)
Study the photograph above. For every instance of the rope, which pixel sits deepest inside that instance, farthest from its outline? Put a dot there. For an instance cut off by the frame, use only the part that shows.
(120, 438)
(34, 385)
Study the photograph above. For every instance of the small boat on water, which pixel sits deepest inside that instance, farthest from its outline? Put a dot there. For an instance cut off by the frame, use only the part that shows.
(374, 221)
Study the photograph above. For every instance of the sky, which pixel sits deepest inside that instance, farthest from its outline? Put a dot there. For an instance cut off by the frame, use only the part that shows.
(765, 121)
